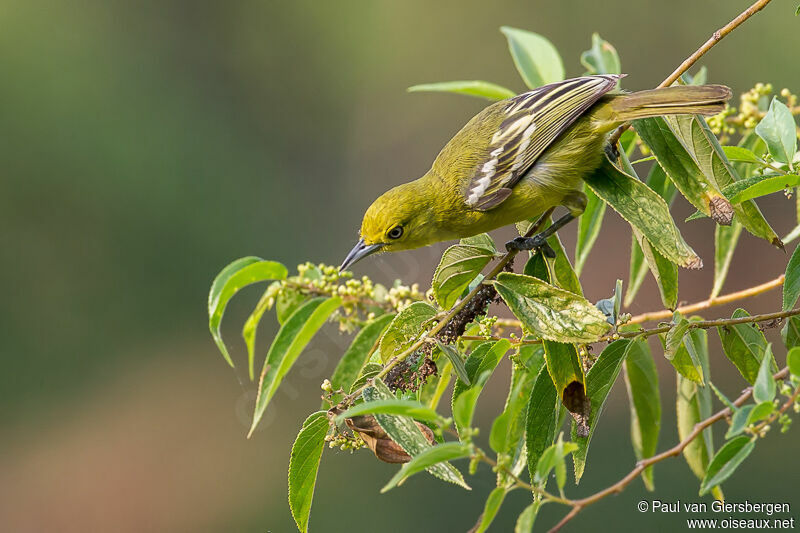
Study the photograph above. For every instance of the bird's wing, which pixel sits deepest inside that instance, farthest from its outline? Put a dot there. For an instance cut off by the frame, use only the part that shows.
(532, 121)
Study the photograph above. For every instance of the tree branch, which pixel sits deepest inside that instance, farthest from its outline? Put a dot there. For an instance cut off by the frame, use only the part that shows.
(711, 302)
(620, 485)
(716, 37)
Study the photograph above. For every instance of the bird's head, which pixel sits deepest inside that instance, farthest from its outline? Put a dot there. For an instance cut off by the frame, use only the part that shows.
(400, 219)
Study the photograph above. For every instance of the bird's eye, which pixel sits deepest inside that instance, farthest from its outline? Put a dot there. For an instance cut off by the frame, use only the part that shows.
(396, 232)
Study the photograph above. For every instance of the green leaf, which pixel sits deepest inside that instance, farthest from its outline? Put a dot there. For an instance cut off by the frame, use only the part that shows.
(464, 408)
(724, 399)
(760, 412)
(493, 503)
(777, 130)
(725, 240)
(699, 78)
(441, 453)
(790, 333)
(741, 154)
(693, 158)
(564, 367)
(527, 518)
(589, 224)
(602, 58)
(541, 417)
(725, 462)
(599, 380)
(410, 408)
(370, 370)
(303, 466)
(793, 361)
(693, 406)
(645, 210)
(553, 458)
(445, 376)
(664, 271)
(682, 352)
(764, 387)
(535, 57)
(405, 329)
(233, 277)
(481, 89)
(250, 328)
(700, 189)
(479, 365)
(767, 186)
(664, 274)
(460, 264)
(550, 312)
(357, 354)
(404, 431)
(508, 429)
(739, 420)
(293, 336)
(641, 380)
(456, 360)
(744, 345)
(791, 285)
(287, 302)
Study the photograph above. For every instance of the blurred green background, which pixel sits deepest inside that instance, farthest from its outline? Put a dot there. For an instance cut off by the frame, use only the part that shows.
(146, 144)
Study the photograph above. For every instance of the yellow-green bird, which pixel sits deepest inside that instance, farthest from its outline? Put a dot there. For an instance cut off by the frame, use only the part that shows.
(516, 159)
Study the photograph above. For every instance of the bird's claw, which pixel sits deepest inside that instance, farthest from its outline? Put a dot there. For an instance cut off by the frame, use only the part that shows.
(537, 242)
(612, 151)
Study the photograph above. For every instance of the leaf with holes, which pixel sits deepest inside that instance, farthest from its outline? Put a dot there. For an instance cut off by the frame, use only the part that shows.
(552, 313)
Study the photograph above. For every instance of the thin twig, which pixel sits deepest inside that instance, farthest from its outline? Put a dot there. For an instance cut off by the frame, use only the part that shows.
(711, 302)
(620, 485)
(716, 37)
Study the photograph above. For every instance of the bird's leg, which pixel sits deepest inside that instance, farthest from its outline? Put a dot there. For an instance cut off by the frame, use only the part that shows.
(575, 202)
(539, 241)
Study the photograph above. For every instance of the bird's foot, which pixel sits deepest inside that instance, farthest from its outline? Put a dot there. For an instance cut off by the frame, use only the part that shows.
(537, 242)
(612, 151)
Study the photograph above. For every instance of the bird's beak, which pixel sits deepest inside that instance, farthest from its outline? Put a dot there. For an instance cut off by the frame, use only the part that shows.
(359, 252)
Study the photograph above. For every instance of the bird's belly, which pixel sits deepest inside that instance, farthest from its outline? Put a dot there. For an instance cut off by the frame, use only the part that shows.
(529, 200)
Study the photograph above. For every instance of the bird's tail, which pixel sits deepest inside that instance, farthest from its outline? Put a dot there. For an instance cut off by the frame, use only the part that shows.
(676, 100)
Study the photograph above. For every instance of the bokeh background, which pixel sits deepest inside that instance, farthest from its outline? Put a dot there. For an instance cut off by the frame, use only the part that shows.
(146, 144)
